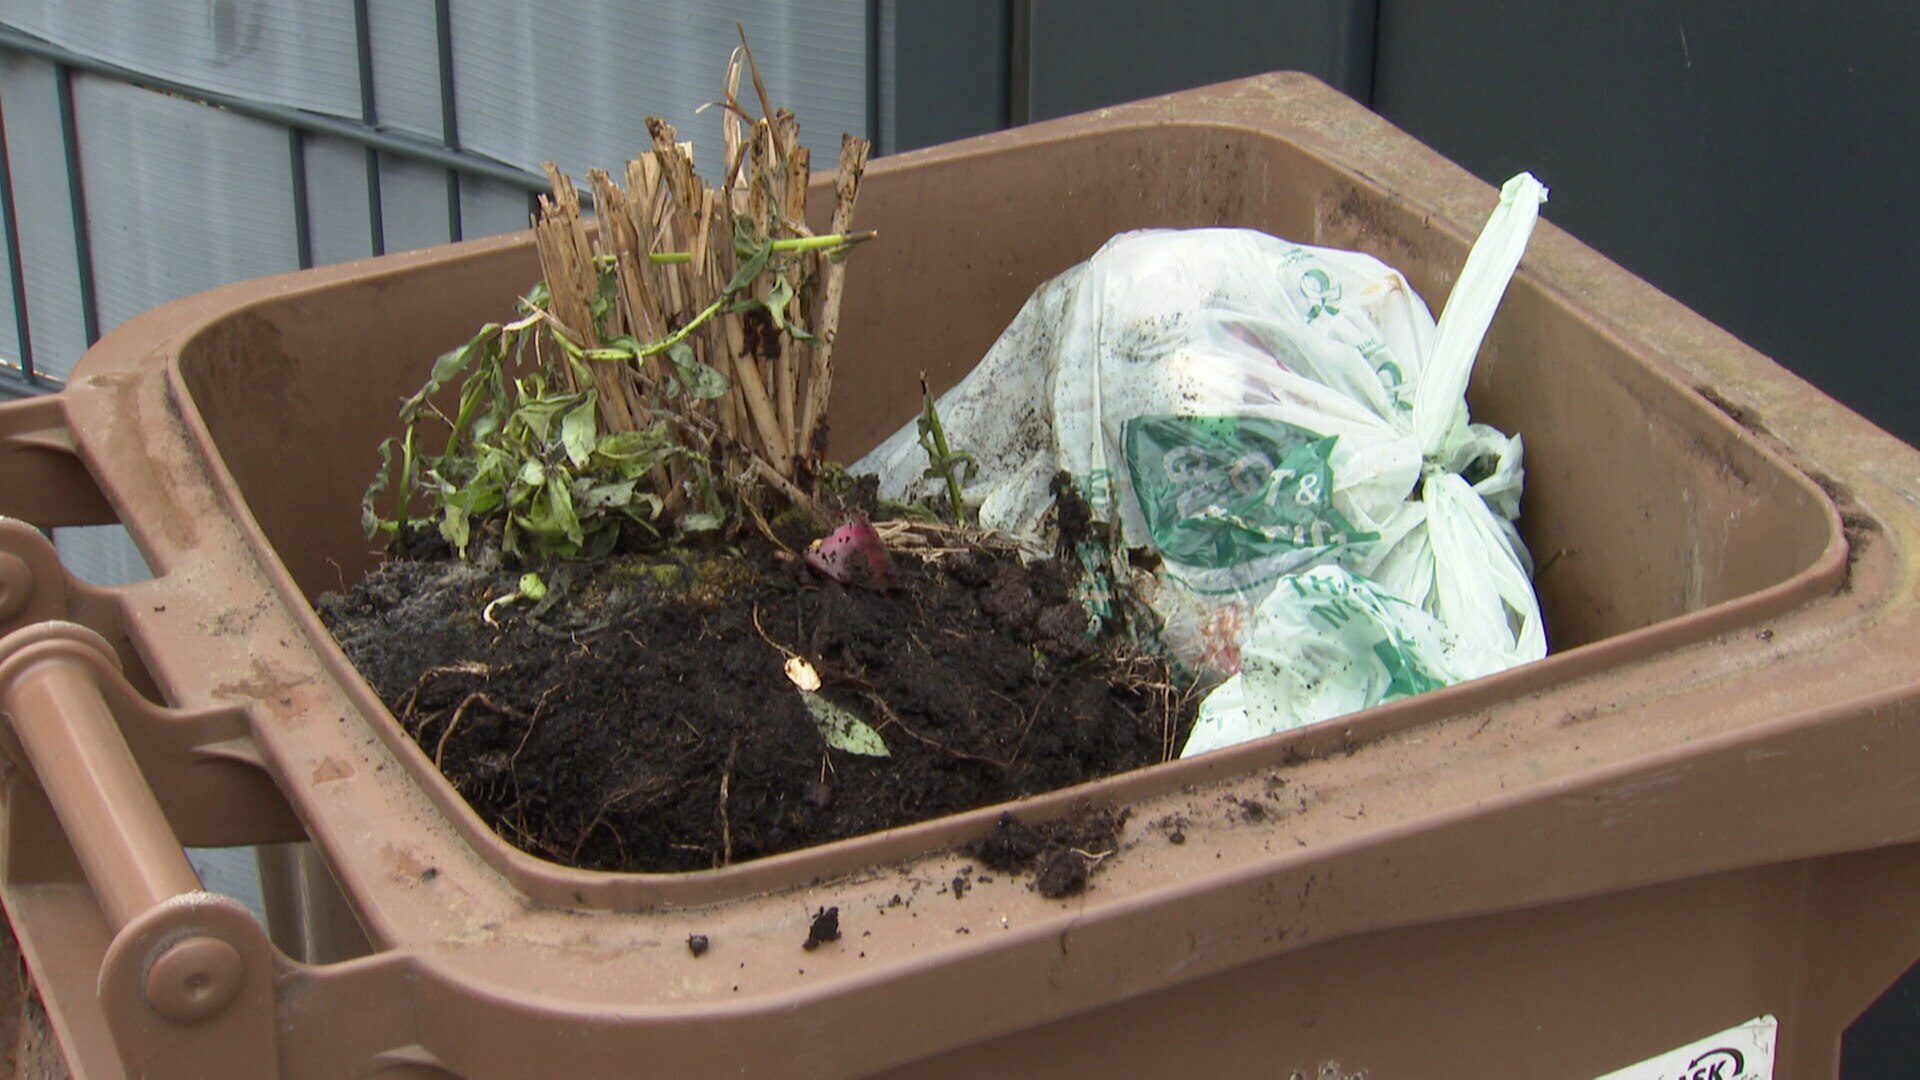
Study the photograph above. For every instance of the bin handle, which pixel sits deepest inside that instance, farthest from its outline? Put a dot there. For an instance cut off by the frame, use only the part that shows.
(65, 736)
(186, 984)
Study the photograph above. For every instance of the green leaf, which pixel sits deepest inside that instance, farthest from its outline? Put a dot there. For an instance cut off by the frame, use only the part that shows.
(370, 520)
(480, 495)
(456, 527)
(603, 298)
(703, 381)
(449, 364)
(842, 729)
(609, 496)
(532, 473)
(532, 587)
(536, 415)
(700, 522)
(561, 502)
(753, 255)
(777, 300)
(646, 447)
(651, 503)
(579, 431)
(599, 543)
(551, 522)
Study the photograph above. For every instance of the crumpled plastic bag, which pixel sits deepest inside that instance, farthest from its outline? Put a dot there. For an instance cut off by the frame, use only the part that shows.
(1258, 410)
(1326, 643)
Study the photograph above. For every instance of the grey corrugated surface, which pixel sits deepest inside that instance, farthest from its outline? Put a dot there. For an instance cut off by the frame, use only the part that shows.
(886, 111)
(574, 80)
(406, 66)
(44, 213)
(231, 872)
(100, 555)
(288, 52)
(337, 200)
(180, 197)
(9, 336)
(191, 197)
(413, 201)
(488, 208)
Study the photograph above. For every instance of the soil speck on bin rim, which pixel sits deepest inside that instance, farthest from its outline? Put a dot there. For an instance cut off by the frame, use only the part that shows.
(1063, 854)
(824, 928)
(643, 719)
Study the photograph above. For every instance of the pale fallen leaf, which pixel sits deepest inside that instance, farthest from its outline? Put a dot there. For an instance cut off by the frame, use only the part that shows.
(802, 673)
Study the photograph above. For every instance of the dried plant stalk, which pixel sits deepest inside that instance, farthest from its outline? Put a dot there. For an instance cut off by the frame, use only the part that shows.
(568, 262)
(681, 276)
(846, 188)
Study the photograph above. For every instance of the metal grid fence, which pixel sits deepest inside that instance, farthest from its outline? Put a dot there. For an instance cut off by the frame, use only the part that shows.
(22, 375)
(107, 138)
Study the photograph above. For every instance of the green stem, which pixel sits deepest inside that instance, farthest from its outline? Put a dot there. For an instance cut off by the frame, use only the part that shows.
(943, 455)
(652, 349)
(406, 489)
(829, 242)
(680, 335)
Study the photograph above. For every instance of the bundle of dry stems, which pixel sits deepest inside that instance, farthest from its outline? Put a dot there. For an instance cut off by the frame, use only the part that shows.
(732, 274)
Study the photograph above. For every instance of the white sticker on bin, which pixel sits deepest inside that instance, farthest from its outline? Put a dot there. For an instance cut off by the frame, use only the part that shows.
(1738, 1053)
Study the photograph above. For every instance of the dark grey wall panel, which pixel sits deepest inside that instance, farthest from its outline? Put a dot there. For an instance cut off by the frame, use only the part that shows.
(943, 71)
(43, 211)
(413, 204)
(1087, 53)
(1745, 158)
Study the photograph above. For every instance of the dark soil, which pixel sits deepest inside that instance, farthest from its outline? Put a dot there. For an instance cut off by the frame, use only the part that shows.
(1063, 854)
(640, 718)
(824, 928)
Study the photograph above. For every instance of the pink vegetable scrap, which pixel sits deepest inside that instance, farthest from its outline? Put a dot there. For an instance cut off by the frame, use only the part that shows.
(853, 554)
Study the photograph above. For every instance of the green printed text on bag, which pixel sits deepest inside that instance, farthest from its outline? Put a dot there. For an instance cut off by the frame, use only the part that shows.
(1337, 606)
(1223, 491)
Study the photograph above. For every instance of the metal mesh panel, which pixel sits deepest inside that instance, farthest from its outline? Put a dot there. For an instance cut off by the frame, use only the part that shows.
(288, 52)
(573, 80)
(127, 198)
(43, 211)
(406, 71)
(180, 198)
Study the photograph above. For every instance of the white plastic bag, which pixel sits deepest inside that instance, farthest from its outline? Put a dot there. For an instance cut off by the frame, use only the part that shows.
(1255, 409)
(1326, 643)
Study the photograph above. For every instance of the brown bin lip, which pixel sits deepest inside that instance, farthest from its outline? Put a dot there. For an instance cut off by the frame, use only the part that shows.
(552, 884)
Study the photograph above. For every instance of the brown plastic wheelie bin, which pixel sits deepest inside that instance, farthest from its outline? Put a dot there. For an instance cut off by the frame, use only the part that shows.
(1700, 809)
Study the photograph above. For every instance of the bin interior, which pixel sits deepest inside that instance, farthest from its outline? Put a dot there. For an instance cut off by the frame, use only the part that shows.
(1643, 501)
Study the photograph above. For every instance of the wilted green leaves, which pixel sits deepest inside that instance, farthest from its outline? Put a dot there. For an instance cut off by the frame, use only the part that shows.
(525, 461)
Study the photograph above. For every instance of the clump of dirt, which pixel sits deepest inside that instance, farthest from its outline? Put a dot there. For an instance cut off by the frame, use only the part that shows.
(1063, 854)
(825, 927)
(640, 717)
